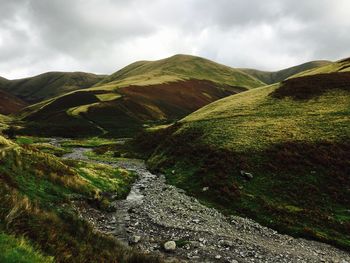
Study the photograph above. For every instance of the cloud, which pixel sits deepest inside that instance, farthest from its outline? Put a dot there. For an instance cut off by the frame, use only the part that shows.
(103, 35)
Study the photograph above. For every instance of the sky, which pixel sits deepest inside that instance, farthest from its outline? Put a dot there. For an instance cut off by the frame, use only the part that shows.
(102, 36)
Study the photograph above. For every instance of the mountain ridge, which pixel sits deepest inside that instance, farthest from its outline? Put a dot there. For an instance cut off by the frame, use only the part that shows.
(49, 84)
(271, 77)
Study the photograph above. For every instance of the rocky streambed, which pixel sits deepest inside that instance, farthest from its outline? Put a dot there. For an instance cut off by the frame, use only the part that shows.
(160, 218)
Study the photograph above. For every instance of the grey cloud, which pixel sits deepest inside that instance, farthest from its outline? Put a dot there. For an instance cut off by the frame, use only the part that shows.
(104, 35)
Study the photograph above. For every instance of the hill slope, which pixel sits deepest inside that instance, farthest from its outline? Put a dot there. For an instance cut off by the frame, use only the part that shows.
(50, 84)
(270, 77)
(277, 154)
(180, 67)
(338, 66)
(37, 218)
(10, 104)
(3, 82)
(142, 93)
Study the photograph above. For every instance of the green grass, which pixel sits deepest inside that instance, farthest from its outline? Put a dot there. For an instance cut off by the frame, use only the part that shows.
(254, 120)
(88, 142)
(108, 96)
(106, 178)
(26, 140)
(19, 250)
(36, 191)
(295, 147)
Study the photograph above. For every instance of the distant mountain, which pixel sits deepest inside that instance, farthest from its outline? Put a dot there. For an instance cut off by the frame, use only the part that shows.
(51, 84)
(270, 77)
(342, 65)
(180, 67)
(277, 154)
(143, 93)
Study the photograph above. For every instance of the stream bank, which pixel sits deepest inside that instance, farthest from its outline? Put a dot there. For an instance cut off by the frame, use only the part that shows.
(155, 213)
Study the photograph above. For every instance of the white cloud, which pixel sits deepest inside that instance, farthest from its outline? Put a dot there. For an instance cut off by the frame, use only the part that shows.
(104, 35)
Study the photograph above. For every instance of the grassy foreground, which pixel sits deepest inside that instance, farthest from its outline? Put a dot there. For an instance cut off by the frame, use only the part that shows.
(37, 222)
(293, 138)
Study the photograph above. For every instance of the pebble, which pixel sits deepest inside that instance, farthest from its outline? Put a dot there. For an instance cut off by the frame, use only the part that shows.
(170, 246)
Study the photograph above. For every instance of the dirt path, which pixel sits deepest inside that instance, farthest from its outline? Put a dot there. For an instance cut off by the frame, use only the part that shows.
(155, 212)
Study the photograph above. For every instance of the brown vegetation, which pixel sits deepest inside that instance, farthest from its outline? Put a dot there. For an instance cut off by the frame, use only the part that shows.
(308, 87)
(10, 104)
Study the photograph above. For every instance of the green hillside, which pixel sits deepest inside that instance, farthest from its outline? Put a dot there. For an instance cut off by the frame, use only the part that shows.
(37, 219)
(51, 84)
(271, 77)
(179, 67)
(338, 66)
(277, 154)
(141, 94)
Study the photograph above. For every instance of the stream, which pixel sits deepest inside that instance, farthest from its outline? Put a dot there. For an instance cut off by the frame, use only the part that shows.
(154, 213)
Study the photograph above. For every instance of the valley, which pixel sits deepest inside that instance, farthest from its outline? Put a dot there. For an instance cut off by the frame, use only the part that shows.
(177, 160)
(155, 212)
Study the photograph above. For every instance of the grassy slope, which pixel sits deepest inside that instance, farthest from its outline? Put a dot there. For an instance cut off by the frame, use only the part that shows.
(50, 84)
(36, 190)
(178, 67)
(141, 93)
(270, 77)
(295, 143)
(339, 66)
(18, 250)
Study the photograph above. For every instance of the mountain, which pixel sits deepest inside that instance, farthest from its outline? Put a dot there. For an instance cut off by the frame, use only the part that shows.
(270, 77)
(3, 82)
(10, 104)
(277, 154)
(50, 84)
(141, 94)
(180, 67)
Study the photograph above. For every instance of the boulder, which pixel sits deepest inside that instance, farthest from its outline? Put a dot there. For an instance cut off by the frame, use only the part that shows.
(170, 246)
(135, 239)
(247, 175)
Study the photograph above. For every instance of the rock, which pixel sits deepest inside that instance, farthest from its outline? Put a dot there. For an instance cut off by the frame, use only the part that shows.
(246, 175)
(196, 221)
(170, 246)
(217, 257)
(205, 189)
(135, 239)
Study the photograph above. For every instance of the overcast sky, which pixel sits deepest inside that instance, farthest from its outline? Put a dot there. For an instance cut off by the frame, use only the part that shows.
(102, 36)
